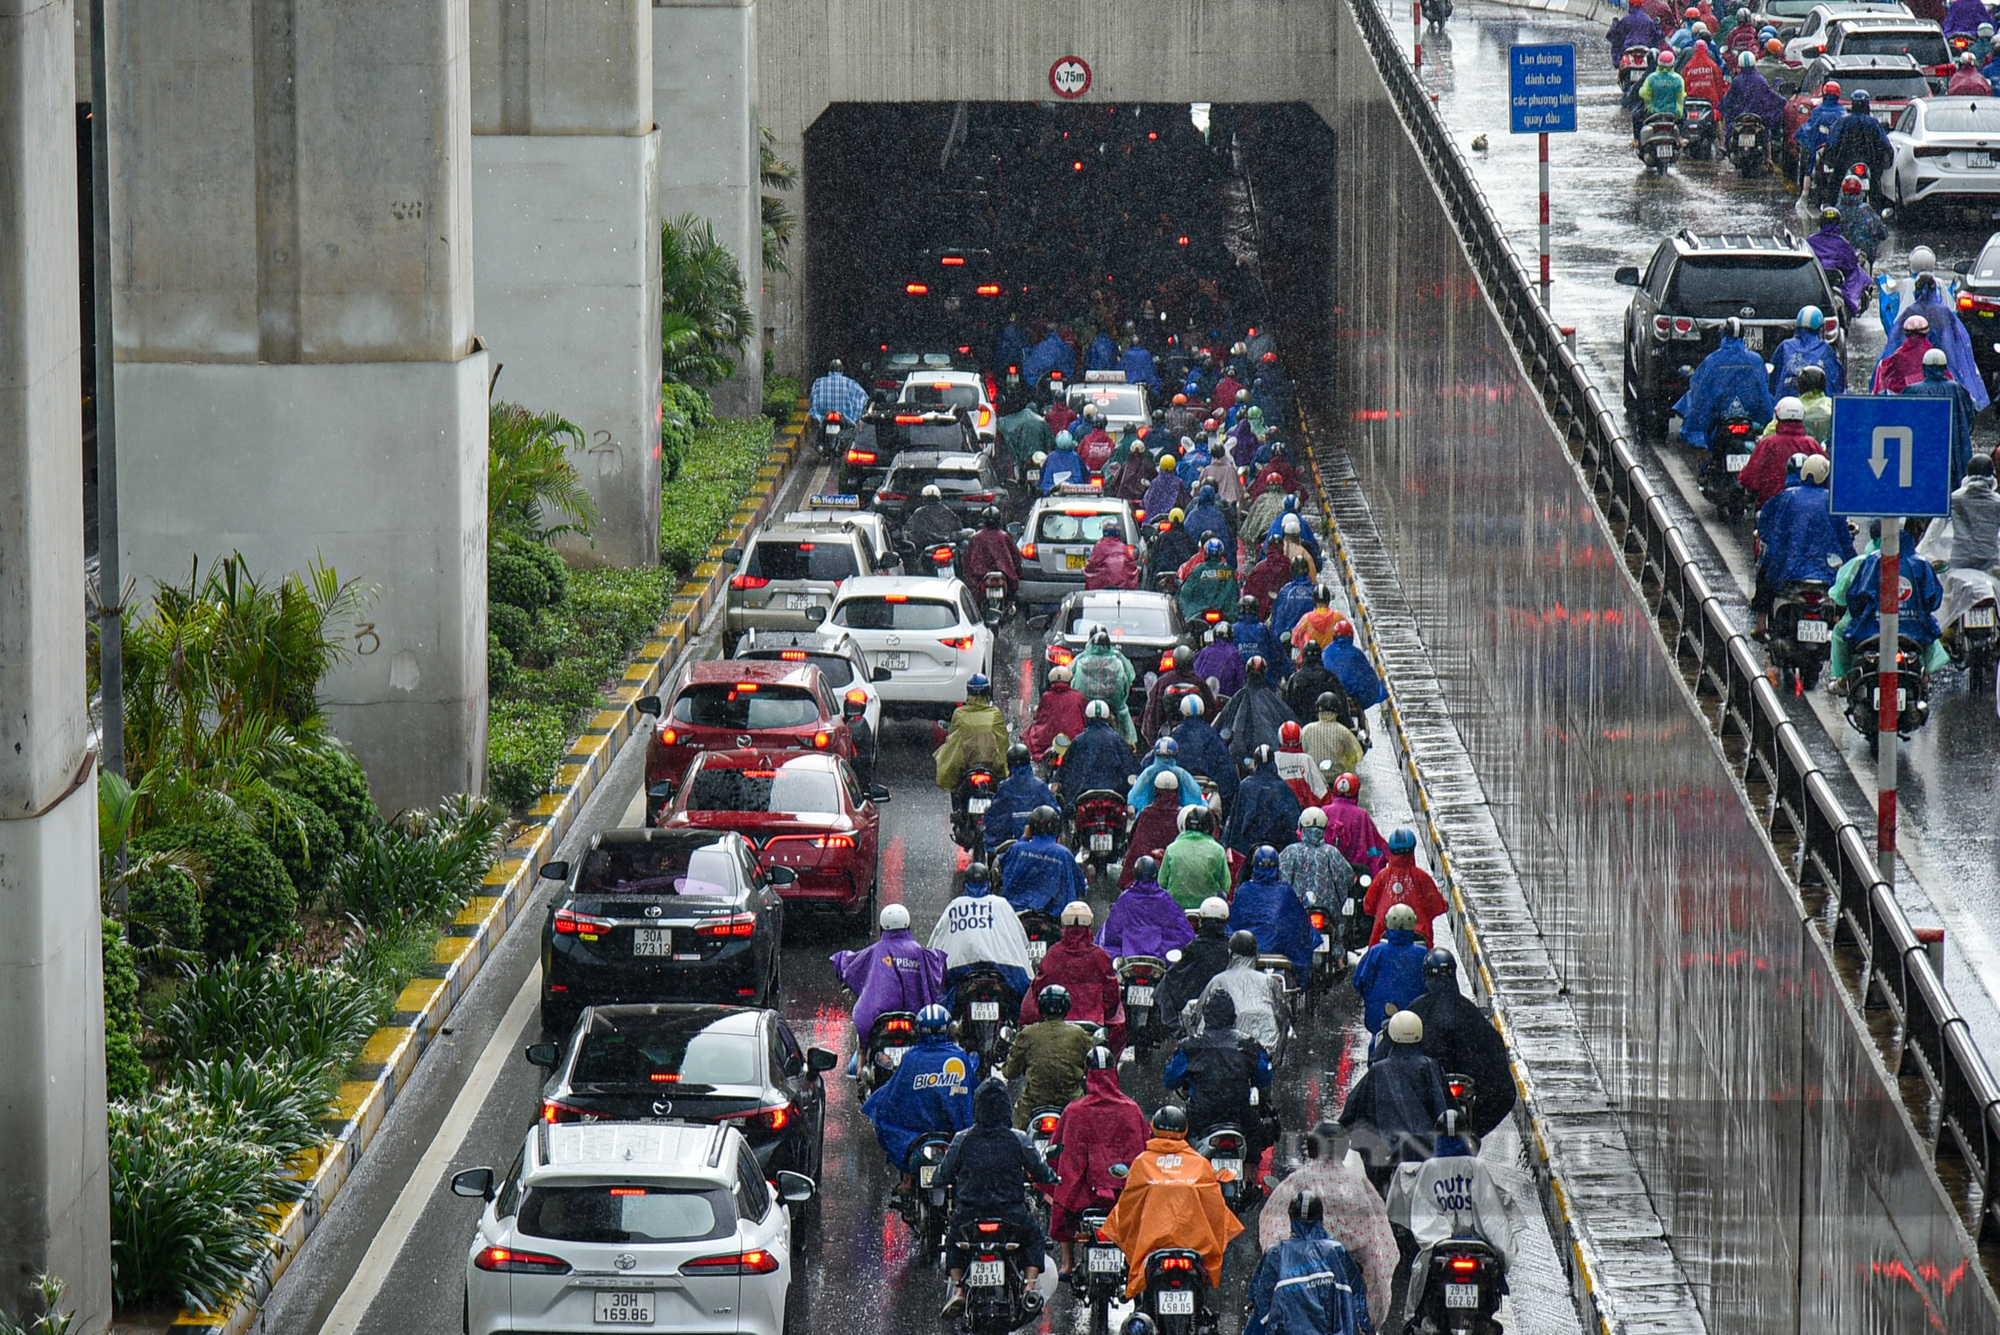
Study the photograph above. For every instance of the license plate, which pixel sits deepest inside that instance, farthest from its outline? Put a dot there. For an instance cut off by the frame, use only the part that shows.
(624, 1309)
(1980, 617)
(1461, 1296)
(1037, 949)
(1101, 843)
(987, 1274)
(926, 1175)
(652, 941)
(1974, 158)
(1139, 994)
(979, 806)
(1106, 1260)
(1902, 699)
(798, 602)
(894, 662)
(1075, 560)
(892, 1057)
(1812, 632)
(1736, 462)
(1229, 1166)
(986, 1010)
(1177, 1302)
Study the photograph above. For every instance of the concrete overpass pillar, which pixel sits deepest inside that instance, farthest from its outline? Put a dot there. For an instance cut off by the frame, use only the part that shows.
(566, 221)
(706, 103)
(297, 372)
(54, 1191)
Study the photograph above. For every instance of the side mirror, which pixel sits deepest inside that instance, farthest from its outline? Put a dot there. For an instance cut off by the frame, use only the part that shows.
(1119, 1170)
(796, 1188)
(1014, 531)
(1038, 623)
(853, 709)
(1052, 1153)
(476, 1183)
(815, 615)
(821, 1060)
(648, 704)
(1626, 275)
(880, 674)
(878, 792)
(782, 876)
(554, 871)
(662, 791)
(543, 1055)
(732, 555)
(1963, 268)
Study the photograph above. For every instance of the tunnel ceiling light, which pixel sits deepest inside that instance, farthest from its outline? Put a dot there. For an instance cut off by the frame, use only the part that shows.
(917, 289)
(1183, 240)
(952, 261)
(1152, 134)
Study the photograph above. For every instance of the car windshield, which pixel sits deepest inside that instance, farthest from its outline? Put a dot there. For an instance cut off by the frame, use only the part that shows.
(788, 559)
(935, 393)
(1791, 9)
(895, 611)
(1772, 286)
(1927, 47)
(1987, 266)
(746, 706)
(793, 787)
(625, 1213)
(1111, 400)
(1147, 621)
(912, 481)
(1902, 87)
(1963, 118)
(679, 1048)
(680, 868)
(1072, 525)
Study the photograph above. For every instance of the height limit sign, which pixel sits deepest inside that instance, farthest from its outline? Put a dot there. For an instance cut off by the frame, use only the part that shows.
(1541, 99)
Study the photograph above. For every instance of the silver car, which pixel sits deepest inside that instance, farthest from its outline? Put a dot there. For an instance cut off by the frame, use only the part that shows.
(787, 578)
(1056, 543)
(1946, 148)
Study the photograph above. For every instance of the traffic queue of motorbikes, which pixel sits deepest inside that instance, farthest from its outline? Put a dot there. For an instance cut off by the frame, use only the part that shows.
(1213, 808)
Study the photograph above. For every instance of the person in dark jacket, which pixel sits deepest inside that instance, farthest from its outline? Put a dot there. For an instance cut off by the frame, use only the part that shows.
(1294, 600)
(1176, 679)
(1462, 1041)
(1308, 1284)
(1265, 810)
(1221, 662)
(1391, 975)
(1255, 639)
(1309, 682)
(1267, 906)
(1016, 798)
(1218, 1068)
(1172, 547)
(1202, 750)
(989, 1167)
(1399, 1099)
(1206, 515)
(1201, 959)
(1039, 875)
(1254, 713)
(1859, 137)
(1098, 758)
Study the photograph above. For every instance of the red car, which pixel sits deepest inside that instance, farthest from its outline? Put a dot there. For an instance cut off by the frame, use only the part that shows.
(803, 810)
(726, 704)
(1892, 81)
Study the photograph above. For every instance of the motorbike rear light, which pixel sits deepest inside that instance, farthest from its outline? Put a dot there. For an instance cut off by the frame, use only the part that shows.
(965, 349)
(1738, 428)
(1028, 550)
(1831, 327)
(979, 780)
(1176, 1263)
(943, 556)
(988, 289)
(900, 1026)
(1464, 1265)
(989, 1226)
(1319, 920)
(909, 419)
(833, 418)
(748, 582)
(555, 1112)
(758, 1262)
(962, 643)
(1047, 1123)
(861, 456)
(917, 289)
(735, 925)
(1456, 1090)
(571, 923)
(1211, 616)
(1812, 597)
(953, 261)
(508, 1261)
(1180, 240)
(979, 497)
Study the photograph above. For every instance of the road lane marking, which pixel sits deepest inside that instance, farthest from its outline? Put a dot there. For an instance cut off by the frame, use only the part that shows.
(375, 1267)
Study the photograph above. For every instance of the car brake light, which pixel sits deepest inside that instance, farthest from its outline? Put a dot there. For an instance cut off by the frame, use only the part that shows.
(959, 642)
(1060, 655)
(895, 597)
(822, 739)
(555, 1112)
(979, 497)
(1211, 616)
(571, 923)
(985, 416)
(1683, 325)
(793, 655)
(1181, 240)
(664, 1078)
(861, 456)
(952, 261)
(748, 582)
(1028, 550)
(669, 736)
(909, 419)
(988, 289)
(760, 774)
(1662, 327)
(857, 696)
(1464, 1265)
(736, 924)
(917, 289)
(965, 349)
(628, 1191)
(505, 1260)
(892, 495)
(759, 1262)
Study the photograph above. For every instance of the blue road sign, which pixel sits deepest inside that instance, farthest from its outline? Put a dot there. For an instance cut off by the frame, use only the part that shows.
(1542, 88)
(1891, 455)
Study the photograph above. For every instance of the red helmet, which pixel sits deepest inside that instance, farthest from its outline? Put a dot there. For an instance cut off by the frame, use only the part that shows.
(1270, 356)
(1348, 785)
(1829, 89)
(1289, 734)
(1344, 630)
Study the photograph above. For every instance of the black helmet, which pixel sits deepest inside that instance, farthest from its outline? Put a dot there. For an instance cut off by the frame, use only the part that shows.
(1323, 1139)
(834, 367)
(1980, 465)
(1300, 567)
(1019, 756)
(1441, 963)
(1044, 819)
(1171, 1118)
(1247, 605)
(1100, 636)
(1322, 596)
(1146, 869)
(1262, 755)
(1328, 703)
(1053, 1001)
(1199, 819)
(1812, 380)
(990, 516)
(1242, 943)
(1307, 1208)
(1101, 1059)
(977, 874)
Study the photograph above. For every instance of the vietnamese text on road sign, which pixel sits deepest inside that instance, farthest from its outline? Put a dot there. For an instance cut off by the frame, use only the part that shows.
(1891, 455)
(1542, 88)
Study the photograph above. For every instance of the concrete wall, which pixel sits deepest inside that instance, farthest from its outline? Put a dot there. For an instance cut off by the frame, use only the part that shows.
(54, 1191)
(707, 102)
(813, 53)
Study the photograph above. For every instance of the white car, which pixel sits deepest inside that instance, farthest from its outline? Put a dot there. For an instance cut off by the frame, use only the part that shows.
(955, 389)
(637, 1226)
(926, 633)
(1946, 147)
(1815, 34)
(846, 669)
(1122, 404)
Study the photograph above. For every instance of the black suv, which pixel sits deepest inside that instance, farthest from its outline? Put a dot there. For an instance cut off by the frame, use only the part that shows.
(1691, 285)
(968, 484)
(888, 429)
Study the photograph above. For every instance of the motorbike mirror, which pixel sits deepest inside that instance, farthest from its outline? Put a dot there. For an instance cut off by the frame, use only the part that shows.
(541, 1054)
(648, 704)
(878, 792)
(1052, 1153)
(880, 674)
(1038, 623)
(1119, 1170)
(475, 1182)
(821, 1060)
(815, 615)
(1627, 275)
(554, 871)
(781, 876)
(732, 554)
(796, 1188)
(966, 534)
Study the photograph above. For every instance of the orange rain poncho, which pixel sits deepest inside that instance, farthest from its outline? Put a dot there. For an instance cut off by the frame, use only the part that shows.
(1171, 1199)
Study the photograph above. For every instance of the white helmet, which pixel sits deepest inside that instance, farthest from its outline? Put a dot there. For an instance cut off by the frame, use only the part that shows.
(1192, 707)
(1077, 914)
(1814, 470)
(1289, 526)
(1935, 357)
(931, 492)
(1791, 410)
(1312, 818)
(1097, 709)
(1059, 673)
(1041, 457)
(1214, 907)
(1922, 258)
(1167, 782)
(895, 918)
(1406, 1027)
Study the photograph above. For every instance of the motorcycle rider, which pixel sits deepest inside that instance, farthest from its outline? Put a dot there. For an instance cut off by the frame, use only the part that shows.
(1259, 997)
(1966, 80)
(1328, 739)
(1172, 547)
(1101, 1128)
(1203, 752)
(1731, 373)
(1860, 594)
(1750, 94)
(1016, 798)
(1402, 881)
(836, 392)
(1113, 562)
(1084, 969)
(1294, 600)
(1270, 906)
(897, 973)
(1975, 518)
(1166, 492)
(1345, 659)
(1353, 830)
(1265, 810)
(1210, 586)
(978, 736)
(1845, 273)
(1172, 1198)
(979, 930)
(1938, 384)
(1798, 538)
(1059, 713)
(1398, 1098)
(1220, 663)
(1462, 1041)
(1217, 1069)
(1894, 294)
(989, 1167)
(992, 549)
(1102, 673)
(1164, 761)
(1299, 771)
(1391, 973)
(1053, 353)
(1316, 627)
(1701, 76)
(1859, 222)
(1145, 919)
(1355, 1216)
(1859, 137)
(1176, 678)
(1064, 465)
(1254, 636)
(1026, 434)
(1816, 131)
(1254, 714)
(1050, 1054)
(929, 1091)
(1900, 366)
(1771, 65)
(1661, 93)
(1764, 476)
(1157, 825)
(1098, 759)
(1039, 875)
(1202, 958)
(1308, 1282)
(932, 524)
(1206, 515)
(1195, 867)
(1635, 28)
(1096, 446)
(1449, 1195)
(1807, 347)
(1315, 867)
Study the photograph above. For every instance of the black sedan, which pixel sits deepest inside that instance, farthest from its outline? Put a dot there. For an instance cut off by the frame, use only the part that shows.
(688, 1063)
(661, 915)
(1979, 307)
(1143, 626)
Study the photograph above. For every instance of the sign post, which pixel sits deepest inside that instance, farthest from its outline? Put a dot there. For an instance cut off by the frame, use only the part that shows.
(1892, 458)
(1542, 101)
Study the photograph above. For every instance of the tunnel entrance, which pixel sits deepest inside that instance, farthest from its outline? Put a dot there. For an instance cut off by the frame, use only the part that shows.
(934, 224)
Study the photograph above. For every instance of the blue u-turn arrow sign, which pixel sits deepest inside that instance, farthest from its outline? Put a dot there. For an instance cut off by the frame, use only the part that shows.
(1891, 455)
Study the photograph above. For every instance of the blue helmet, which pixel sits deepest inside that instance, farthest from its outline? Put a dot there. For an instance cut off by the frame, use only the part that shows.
(1811, 317)
(1167, 747)
(1213, 547)
(933, 1019)
(980, 684)
(1403, 840)
(1264, 859)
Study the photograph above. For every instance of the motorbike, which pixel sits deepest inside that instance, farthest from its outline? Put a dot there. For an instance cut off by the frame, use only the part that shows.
(1103, 1269)
(997, 600)
(1042, 1123)
(1436, 12)
(970, 802)
(1043, 931)
(994, 1293)
(1227, 1149)
(1802, 632)
(1660, 142)
(931, 1209)
(1461, 1290)
(1750, 145)
(1972, 636)
(890, 1039)
(1100, 830)
(1176, 1292)
(1280, 967)
(1463, 1091)
(1634, 64)
(1702, 128)
(1730, 443)
(1140, 975)
(830, 433)
(984, 1003)
(1864, 694)
(1356, 926)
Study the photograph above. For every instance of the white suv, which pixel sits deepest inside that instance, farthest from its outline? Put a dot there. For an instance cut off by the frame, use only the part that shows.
(649, 1226)
(925, 632)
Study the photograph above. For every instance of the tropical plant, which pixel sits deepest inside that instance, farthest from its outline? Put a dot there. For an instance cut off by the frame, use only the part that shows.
(250, 903)
(333, 780)
(533, 489)
(780, 221)
(262, 1008)
(422, 864)
(50, 1322)
(705, 320)
(125, 1073)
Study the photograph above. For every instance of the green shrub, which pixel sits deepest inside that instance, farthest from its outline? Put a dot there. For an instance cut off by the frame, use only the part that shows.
(781, 396)
(720, 470)
(517, 580)
(266, 1007)
(52, 1321)
(685, 411)
(511, 626)
(554, 569)
(500, 669)
(251, 903)
(125, 1074)
(306, 841)
(422, 864)
(163, 908)
(524, 744)
(334, 781)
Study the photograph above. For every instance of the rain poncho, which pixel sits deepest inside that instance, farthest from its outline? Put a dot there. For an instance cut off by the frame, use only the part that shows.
(1462, 1041)
(1163, 698)
(1402, 881)
(1098, 758)
(1221, 662)
(1267, 505)
(1936, 385)
(1201, 960)
(1799, 534)
(1390, 975)
(1194, 868)
(1862, 225)
(1258, 998)
(1051, 354)
(1401, 1095)
(1302, 775)
(895, 974)
(1860, 138)
(1206, 516)
(1096, 449)
(1352, 830)
(1316, 628)
(1965, 16)
(1172, 1198)
(1975, 519)
(1947, 331)
(1100, 672)
(1133, 477)
(1139, 368)
(930, 1091)
(1353, 1215)
(1701, 76)
(1816, 130)
(992, 549)
(1052, 1055)
(1228, 483)
(1268, 576)
(1203, 752)
(1219, 1067)
(978, 736)
(1764, 476)
(1156, 826)
(1803, 349)
(1077, 962)
(1968, 83)
(1060, 711)
(1141, 796)
(1750, 95)
(1291, 605)
(1327, 739)
(1276, 532)
(1013, 800)
(1164, 494)
(1171, 547)
(1731, 373)
(1145, 920)
(1265, 811)
(1210, 587)
(1272, 909)
(1113, 564)
(1039, 875)
(1026, 435)
(1255, 639)
(1663, 93)
(977, 929)
(1102, 354)
(1062, 465)
(1919, 610)
(1345, 660)
(1308, 1284)
(1843, 267)
(1253, 716)
(1445, 1196)
(1102, 1128)
(1892, 295)
(1316, 870)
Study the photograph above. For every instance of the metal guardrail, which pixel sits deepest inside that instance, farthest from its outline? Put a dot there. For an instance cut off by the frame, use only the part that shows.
(1958, 1107)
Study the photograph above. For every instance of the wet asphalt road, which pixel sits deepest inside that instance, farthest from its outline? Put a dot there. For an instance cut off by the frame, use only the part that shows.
(1607, 211)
